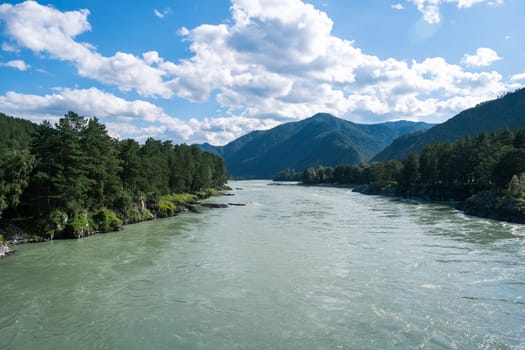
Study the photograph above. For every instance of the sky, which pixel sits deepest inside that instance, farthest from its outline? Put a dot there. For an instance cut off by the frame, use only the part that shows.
(213, 70)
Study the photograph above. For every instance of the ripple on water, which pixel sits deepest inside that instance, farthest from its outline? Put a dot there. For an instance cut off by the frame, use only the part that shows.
(297, 268)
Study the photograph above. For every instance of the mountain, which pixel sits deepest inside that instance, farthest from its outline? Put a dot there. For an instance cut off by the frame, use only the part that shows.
(15, 132)
(320, 140)
(505, 112)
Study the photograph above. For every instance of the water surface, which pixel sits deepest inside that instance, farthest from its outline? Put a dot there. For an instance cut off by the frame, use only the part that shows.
(296, 268)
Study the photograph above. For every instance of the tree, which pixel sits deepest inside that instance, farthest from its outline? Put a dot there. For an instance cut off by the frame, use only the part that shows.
(519, 139)
(102, 164)
(309, 176)
(154, 170)
(15, 169)
(131, 161)
(512, 163)
(72, 181)
(203, 176)
(516, 186)
(43, 187)
(410, 174)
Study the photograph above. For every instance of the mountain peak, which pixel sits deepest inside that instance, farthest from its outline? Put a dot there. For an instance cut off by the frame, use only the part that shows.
(322, 139)
(323, 116)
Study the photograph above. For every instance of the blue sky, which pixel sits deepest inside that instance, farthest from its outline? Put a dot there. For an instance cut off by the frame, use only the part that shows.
(213, 70)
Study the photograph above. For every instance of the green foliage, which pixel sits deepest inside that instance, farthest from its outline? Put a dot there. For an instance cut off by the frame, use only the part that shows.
(516, 186)
(206, 193)
(15, 133)
(80, 226)
(287, 174)
(166, 208)
(472, 164)
(106, 220)
(53, 225)
(510, 164)
(15, 169)
(504, 112)
(169, 205)
(410, 173)
(74, 167)
(3, 203)
(183, 198)
(102, 164)
(3, 240)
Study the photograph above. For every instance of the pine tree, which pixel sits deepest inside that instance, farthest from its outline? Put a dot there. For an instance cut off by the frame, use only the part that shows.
(102, 165)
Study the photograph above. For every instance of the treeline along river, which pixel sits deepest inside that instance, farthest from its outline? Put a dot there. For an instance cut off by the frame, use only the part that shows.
(296, 268)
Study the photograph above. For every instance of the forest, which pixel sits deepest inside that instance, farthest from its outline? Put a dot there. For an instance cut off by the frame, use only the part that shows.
(487, 163)
(74, 179)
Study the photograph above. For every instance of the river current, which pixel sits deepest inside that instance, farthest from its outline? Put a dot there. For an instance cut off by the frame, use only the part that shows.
(295, 268)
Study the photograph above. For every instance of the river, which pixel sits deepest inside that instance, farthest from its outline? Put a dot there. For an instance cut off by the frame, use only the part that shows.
(296, 268)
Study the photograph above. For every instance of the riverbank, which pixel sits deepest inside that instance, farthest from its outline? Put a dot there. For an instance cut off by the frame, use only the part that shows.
(103, 221)
(485, 204)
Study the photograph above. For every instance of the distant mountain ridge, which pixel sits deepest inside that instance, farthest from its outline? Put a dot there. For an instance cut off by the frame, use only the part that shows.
(507, 111)
(15, 132)
(319, 140)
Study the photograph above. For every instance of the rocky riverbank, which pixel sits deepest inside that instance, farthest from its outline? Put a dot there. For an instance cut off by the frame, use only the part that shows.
(59, 226)
(485, 204)
(495, 206)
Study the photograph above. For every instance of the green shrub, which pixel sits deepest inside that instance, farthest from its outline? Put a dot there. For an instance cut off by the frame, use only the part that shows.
(3, 240)
(208, 192)
(53, 225)
(168, 204)
(146, 215)
(80, 226)
(106, 220)
(166, 207)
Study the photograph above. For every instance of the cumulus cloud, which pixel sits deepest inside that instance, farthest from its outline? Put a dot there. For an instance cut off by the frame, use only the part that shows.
(46, 30)
(484, 57)
(281, 57)
(430, 8)
(121, 116)
(89, 102)
(274, 61)
(17, 64)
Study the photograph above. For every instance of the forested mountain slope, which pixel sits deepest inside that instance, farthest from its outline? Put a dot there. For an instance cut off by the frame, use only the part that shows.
(15, 133)
(320, 140)
(505, 112)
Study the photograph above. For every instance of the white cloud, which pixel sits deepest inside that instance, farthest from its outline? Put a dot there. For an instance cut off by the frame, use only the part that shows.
(121, 116)
(89, 102)
(17, 64)
(46, 30)
(484, 57)
(7, 47)
(286, 61)
(162, 13)
(274, 61)
(517, 77)
(158, 13)
(398, 7)
(430, 8)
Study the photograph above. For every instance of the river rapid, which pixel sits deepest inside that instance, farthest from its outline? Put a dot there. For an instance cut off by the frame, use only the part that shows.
(296, 268)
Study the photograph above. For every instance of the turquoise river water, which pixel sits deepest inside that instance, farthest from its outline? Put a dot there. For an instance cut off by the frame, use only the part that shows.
(296, 268)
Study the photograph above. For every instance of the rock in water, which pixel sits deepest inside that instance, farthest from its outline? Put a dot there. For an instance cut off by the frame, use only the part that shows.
(214, 205)
(4, 250)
